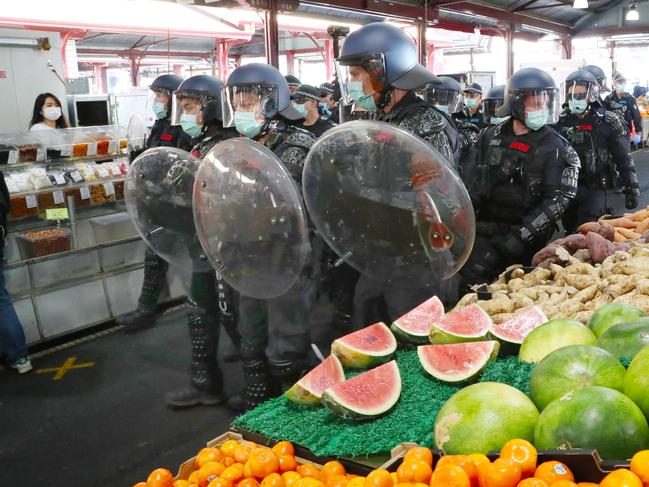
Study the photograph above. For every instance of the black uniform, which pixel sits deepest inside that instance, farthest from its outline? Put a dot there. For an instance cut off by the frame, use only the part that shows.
(163, 134)
(524, 185)
(476, 119)
(602, 142)
(374, 300)
(275, 332)
(627, 107)
(319, 127)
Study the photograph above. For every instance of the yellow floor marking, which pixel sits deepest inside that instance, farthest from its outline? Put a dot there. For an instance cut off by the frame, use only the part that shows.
(69, 364)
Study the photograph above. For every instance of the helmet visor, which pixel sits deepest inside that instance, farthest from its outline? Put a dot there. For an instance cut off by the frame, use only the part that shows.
(490, 106)
(443, 97)
(189, 105)
(526, 102)
(360, 77)
(262, 100)
(581, 90)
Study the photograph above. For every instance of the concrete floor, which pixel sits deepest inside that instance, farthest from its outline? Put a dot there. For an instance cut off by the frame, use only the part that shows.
(105, 423)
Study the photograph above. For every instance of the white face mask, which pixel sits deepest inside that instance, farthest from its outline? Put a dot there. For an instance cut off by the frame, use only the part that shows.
(52, 113)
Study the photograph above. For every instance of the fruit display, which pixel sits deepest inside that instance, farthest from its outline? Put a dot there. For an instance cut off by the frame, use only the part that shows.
(572, 367)
(575, 291)
(513, 331)
(414, 326)
(367, 395)
(365, 348)
(308, 390)
(610, 315)
(636, 380)
(483, 417)
(457, 362)
(552, 336)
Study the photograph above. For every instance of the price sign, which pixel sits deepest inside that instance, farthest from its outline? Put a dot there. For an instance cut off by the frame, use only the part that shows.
(92, 149)
(110, 189)
(32, 202)
(56, 214)
(13, 157)
(40, 154)
(58, 197)
(85, 193)
(76, 176)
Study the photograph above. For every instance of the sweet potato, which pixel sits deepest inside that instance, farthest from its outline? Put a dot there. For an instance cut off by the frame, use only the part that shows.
(589, 227)
(618, 238)
(555, 252)
(599, 247)
(642, 227)
(583, 255)
(573, 242)
(629, 234)
(620, 222)
(639, 216)
(607, 231)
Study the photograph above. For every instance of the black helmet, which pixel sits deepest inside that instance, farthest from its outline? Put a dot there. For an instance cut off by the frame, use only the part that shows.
(447, 92)
(206, 89)
(292, 81)
(597, 72)
(268, 84)
(166, 82)
(390, 45)
(493, 101)
(530, 82)
(583, 78)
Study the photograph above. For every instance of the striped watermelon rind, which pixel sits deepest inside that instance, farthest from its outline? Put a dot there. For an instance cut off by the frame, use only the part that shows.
(473, 357)
(407, 331)
(366, 348)
(475, 321)
(308, 390)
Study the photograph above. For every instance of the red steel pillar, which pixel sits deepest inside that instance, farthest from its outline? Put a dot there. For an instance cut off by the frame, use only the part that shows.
(271, 34)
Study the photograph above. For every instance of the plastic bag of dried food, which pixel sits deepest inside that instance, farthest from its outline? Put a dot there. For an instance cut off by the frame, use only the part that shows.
(38, 178)
(57, 177)
(87, 171)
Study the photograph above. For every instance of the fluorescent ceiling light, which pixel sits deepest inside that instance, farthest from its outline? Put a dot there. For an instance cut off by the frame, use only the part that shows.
(580, 4)
(632, 14)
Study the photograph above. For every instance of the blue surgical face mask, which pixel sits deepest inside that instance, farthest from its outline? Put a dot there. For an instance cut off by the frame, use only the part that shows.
(366, 102)
(190, 125)
(159, 109)
(471, 103)
(578, 106)
(537, 119)
(246, 124)
(442, 108)
(323, 107)
(302, 109)
(497, 120)
(621, 87)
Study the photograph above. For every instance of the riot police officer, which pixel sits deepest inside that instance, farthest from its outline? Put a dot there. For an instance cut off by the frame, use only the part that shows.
(601, 139)
(600, 76)
(622, 102)
(211, 303)
(163, 134)
(293, 83)
(528, 178)
(447, 97)
(492, 102)
(274, 332)
(472, 110)
(328, 103)
(306, 100)
(382, 77)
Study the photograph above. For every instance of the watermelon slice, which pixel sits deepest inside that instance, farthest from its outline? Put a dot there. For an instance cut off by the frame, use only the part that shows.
(512, 332)
(367, 395)
(365, 348)
(457, 362)
(468, 324)
(308, 390)
(414, 326)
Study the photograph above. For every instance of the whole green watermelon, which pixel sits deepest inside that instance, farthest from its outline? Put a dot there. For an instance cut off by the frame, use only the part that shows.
(593, 417)
(573, 367)
(636, 382)
(612, 314)
(626, 339)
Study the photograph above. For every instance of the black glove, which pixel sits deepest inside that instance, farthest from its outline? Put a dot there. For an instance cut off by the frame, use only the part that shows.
(510, 248)
(630, 199)
(484, 263)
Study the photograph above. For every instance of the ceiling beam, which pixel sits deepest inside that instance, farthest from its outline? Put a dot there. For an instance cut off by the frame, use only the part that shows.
(507, 16)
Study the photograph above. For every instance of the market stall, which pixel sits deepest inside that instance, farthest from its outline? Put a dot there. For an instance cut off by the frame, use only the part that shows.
(68, 233)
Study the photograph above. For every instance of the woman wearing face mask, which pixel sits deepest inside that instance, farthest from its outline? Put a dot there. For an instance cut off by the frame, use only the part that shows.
(306, 100)
(47, 114)
(528, 178)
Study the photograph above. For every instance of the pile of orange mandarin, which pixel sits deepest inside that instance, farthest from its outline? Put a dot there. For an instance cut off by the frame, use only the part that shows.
(245, 464)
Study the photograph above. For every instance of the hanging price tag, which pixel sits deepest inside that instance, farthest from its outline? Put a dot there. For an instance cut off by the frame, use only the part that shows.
(66, 151)
(113, 147)
(58, 197)
(32, 202)
(13, 157)
(56, 214)
(40, 154)
(85, 193)
(59, 178)
(92, 148)
(109, 189)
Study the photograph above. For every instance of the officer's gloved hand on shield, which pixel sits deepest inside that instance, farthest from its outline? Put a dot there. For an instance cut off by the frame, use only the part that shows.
(388, 204)
(135, 137)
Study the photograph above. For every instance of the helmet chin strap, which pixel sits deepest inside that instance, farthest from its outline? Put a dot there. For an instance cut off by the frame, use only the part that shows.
(264, 129)
(386, 97)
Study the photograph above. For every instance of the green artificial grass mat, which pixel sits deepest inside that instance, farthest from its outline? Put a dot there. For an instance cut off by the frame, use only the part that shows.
(411, 419)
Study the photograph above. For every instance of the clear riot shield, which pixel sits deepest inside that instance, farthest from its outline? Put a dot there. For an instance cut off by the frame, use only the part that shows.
(389, 204)
(158, 193)
(250, 218)
(136, 136)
